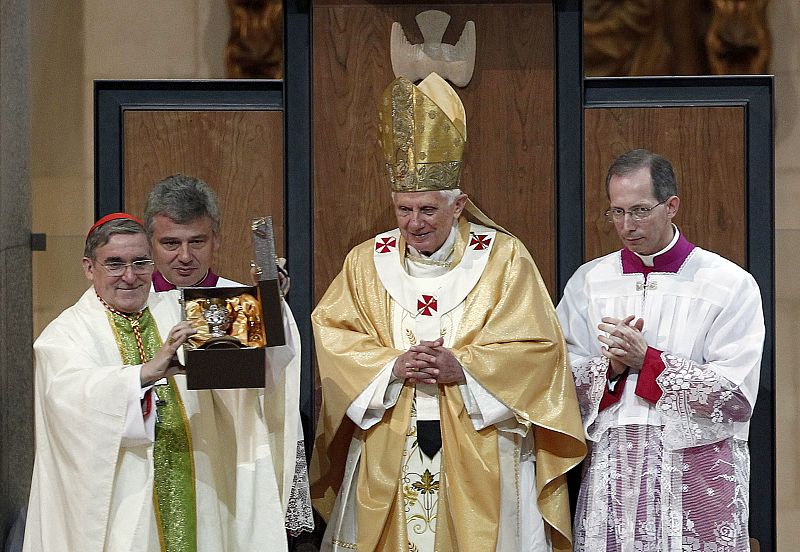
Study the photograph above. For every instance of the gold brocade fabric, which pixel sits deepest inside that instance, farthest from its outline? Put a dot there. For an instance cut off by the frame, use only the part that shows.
(422, 146)
(246, 322)
(173, 479)
(173, 464)
(126, 338)
(509, 341)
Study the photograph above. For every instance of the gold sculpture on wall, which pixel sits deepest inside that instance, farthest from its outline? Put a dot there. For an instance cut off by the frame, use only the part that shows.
(621, 38)
(738, 40)
(675, 37)
(255, 44)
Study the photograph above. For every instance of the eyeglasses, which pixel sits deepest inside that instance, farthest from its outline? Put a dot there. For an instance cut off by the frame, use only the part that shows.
(142, 266)
(616, 214)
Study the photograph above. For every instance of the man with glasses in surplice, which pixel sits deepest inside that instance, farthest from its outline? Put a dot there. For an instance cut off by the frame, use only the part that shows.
(668, 386)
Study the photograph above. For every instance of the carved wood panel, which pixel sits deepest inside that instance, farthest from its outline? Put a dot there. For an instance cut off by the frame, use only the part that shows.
(238, 153)
(509, 170)
(706, 148)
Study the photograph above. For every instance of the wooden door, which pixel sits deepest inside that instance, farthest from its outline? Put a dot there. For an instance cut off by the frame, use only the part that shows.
(227, 133)
(706, 147)
(509, 160)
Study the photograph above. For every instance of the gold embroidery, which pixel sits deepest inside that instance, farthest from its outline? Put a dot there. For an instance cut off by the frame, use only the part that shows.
(174, 499)
(447, 326)
(410, 494)
(421, 487)
(427, 484)
(429, 262)
(422, 147)
(432, 262)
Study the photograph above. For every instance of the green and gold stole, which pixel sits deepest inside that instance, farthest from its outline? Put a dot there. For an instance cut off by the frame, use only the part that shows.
(173, 481)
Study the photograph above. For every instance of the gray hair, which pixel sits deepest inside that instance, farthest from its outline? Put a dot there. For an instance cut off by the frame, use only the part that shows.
(661, 174)
(450, 195)
(101, 235)
(182, 199)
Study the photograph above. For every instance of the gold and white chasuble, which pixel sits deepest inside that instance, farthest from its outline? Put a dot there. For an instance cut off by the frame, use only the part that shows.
(480, 491)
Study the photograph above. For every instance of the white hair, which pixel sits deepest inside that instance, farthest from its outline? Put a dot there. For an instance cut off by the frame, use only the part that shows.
(450, 195)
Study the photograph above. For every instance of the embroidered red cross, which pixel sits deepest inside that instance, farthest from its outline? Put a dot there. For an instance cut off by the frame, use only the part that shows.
(384, 245)
(427, 305)
(480, 241)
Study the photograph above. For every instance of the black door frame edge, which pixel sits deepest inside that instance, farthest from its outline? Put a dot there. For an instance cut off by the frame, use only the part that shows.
(299, 194)
(569, 139)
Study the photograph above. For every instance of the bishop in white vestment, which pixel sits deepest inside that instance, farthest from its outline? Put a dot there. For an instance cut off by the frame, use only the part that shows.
(125, 465)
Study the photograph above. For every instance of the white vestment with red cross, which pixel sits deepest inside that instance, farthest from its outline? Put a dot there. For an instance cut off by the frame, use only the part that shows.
(428, 300)
(428, 303)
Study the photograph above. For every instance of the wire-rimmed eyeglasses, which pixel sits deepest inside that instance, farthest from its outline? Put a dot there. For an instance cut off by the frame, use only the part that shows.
(139, 267)
(616, 214)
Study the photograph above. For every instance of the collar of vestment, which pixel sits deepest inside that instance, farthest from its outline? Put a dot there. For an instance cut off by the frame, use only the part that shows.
(162, 284)
(136, 333)
(442, 258)
(435, 296)
(670, 259)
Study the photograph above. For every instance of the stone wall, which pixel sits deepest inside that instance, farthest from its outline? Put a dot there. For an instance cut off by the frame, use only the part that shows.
(16, 396)
(784, 18)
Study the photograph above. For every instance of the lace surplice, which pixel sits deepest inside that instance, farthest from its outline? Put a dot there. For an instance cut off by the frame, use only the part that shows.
(681, 485)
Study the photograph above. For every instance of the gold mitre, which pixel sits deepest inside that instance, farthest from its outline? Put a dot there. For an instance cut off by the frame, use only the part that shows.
(422, 132)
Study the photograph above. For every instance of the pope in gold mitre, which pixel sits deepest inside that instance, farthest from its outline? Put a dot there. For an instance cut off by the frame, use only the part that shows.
(449, 416)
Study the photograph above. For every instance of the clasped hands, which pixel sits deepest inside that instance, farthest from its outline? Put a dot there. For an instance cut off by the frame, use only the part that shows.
(624, 344)
(429, 362)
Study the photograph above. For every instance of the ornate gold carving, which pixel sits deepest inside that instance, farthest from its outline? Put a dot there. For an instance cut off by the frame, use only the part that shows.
(255, 45)
(738, 40)
(239, 317)
(675, 37)
(625, 37)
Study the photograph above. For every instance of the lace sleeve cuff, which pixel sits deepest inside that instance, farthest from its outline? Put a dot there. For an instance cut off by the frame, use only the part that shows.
(299, 516)
(698, 405)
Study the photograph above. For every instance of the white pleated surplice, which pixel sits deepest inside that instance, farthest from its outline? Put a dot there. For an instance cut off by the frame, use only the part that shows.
(672, 475)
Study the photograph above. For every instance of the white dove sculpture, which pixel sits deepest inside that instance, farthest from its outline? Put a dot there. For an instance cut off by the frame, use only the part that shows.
(454, 62)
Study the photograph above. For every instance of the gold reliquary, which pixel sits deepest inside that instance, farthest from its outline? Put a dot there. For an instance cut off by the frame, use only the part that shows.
(234, 325)
(224, 318)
